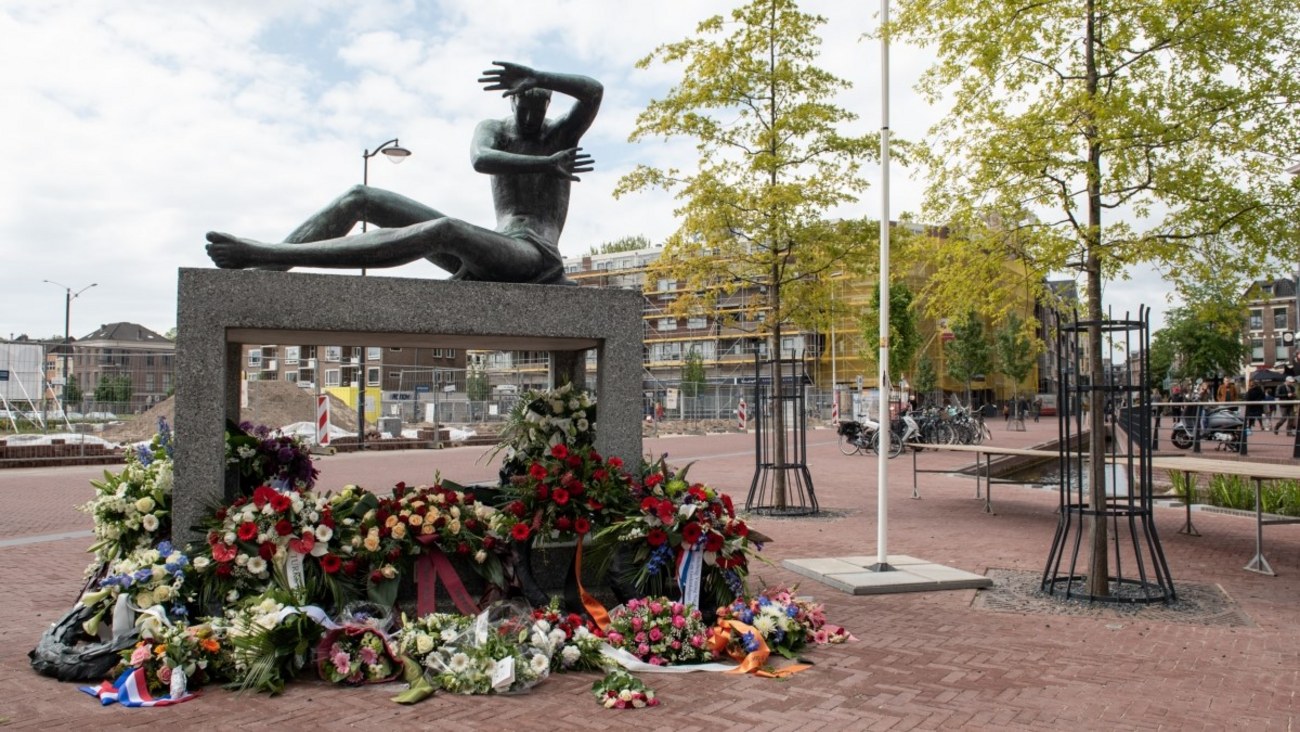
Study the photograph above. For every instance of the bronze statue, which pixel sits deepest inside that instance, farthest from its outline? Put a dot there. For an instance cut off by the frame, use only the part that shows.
(532, 161)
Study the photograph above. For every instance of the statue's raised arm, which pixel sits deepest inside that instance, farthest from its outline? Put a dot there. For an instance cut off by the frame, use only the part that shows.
(514, 79)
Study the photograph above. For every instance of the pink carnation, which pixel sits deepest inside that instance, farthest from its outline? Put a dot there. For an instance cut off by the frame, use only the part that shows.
(341, 662)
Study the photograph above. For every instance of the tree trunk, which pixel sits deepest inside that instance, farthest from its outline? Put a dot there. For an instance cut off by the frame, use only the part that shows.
(1099, 569)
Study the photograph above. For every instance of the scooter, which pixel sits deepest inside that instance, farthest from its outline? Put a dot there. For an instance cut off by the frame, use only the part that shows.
(1220, 425)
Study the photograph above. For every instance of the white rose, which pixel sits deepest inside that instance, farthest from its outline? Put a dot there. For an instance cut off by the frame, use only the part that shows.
(480, 556)
(229, 537)
(163, 593)
(232, 596)
(610, 702)
(144, 505)
(423, 643)
(201, 563)
(625, 695)
(242, 560)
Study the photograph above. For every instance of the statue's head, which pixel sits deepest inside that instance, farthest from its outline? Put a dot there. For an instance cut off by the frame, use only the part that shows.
(530, 110)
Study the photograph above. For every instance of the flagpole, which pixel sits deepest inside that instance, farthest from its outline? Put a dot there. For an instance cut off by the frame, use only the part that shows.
(882, 458)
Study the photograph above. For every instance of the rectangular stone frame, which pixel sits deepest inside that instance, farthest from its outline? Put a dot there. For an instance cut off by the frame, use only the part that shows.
(219, 311)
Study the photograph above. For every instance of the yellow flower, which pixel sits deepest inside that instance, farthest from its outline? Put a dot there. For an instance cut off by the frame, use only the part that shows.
(415, 519)
(390, 522)
(160, 650)
(399, 531)
(427, 529)
(371, 543)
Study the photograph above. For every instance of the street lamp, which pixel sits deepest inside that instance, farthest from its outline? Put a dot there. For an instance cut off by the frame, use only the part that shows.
(394, 151)
(69, 296)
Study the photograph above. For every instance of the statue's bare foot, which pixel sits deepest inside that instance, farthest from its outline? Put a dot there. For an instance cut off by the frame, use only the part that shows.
(233, 252)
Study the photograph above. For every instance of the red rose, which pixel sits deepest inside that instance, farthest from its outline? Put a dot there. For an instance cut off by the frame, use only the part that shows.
(537, 471)
(581, 525)
(649, 503)
(469, 499)
(462, 548)
(616, 462)
(399, 489)
(221, 513)
(560, 451)
(440, 522)
(471, 524)
(543, 492)
(283, 527)
(666, 511)
(213, 537)
(653, 480)
(520, 532)
(280, 502)
(517, 508)
(381, 516)
(574, 461)
(726, 501)
(489, 542)
(691, 533)
(224, 569)
(394, 554)
(713, 542)
(247, 531)
(376, 577)
(560, 496)
(330, 563)
(266, 550)
(350, 568)
(740, 528)
(564, 523)
(656, 537)
(599, 474)
(595, 457)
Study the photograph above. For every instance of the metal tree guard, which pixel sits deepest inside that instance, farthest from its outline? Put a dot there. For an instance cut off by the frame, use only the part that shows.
(798, 498)
(1135, 561)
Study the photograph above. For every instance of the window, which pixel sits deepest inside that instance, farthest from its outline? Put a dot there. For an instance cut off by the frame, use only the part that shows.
(148, 382)
(1257, 350)
(255, 358)
(1279, 318)
(1281, 352)
(395, 348)
(1256, 319)
(331, 377)
(668, 324)
(148, 358)
(291, 377)
(372, 376)
(451, 353)
(333, 354)
(374, 353)
(697, 323)
(291, 354)
(166, 381)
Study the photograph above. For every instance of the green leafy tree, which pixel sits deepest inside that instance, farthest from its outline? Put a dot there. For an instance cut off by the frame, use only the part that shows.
(968, 352)
(904, 338)
(476, 385)
(1144, 131)
(1016, 349)
(113, 389)
(693, 378)
(772, 162)
(1200, 341)
(926, 379)
(622, 244)
(72, 393)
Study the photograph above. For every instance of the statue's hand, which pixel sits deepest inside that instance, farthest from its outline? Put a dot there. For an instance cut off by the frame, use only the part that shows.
(513, 78)
(569, 162)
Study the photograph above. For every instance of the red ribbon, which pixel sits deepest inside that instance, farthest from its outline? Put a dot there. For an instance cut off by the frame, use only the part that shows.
(429, 571)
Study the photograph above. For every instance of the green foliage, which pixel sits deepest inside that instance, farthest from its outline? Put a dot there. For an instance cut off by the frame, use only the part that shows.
(115, 389)
(476, 385)
(1232, 491)
(1183, 485)
(1016, 349)
(693, 378)
(1105, 134)
(73, 394)
(622, 244)
(904, 338)
(1202, 338)
(968, 352)
(926, 379)
(772, 162)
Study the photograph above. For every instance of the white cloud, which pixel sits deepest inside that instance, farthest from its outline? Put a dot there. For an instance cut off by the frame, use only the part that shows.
(133, 128)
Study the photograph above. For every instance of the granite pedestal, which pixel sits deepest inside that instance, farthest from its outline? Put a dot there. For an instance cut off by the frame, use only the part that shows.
(219, 311)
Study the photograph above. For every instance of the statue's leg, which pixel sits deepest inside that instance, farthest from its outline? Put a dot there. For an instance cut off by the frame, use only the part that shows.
(481, 253)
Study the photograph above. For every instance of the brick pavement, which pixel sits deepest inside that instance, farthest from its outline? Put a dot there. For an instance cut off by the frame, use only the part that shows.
(922, 661)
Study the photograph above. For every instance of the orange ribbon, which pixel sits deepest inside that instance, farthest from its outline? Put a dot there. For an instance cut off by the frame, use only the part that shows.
(599, 615)
(753, 661)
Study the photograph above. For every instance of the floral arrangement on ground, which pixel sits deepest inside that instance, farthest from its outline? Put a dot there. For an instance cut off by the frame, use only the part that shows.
(273, 589)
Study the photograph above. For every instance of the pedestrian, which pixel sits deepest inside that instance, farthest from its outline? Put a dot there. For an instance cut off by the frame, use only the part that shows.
(1255, 405)
(1286, 391)
(1038, 407)
(1228, 391)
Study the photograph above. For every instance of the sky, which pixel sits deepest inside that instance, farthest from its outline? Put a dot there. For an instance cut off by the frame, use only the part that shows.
(131, 129)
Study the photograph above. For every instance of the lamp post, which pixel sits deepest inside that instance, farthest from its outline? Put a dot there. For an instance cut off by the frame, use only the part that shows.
(393, 150)
(69, 296)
